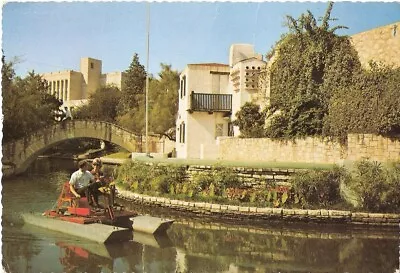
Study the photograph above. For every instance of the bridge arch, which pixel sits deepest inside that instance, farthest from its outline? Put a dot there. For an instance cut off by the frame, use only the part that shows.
(21, 153)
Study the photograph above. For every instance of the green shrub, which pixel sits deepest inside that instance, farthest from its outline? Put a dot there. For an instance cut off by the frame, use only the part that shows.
(224, 178)
(369, 183)
(318, 187)
(146, 178)
(201, 182)
(376, 187)
(215, 182)
(392, 197)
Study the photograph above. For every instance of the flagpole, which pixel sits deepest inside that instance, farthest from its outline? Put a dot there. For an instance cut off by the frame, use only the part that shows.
(147, 79)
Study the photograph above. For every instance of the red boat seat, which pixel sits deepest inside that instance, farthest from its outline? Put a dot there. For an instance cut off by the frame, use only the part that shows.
(67, 199)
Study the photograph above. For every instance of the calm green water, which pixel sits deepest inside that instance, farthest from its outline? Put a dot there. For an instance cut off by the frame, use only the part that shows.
(191, 245)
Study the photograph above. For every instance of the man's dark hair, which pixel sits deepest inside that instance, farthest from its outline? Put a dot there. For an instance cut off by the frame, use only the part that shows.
(82, 164)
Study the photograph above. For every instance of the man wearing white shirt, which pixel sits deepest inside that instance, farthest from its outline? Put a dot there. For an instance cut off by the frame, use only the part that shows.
(82, 183)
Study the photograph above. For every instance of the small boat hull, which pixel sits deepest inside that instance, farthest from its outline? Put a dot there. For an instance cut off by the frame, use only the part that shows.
(150, 224)
(94, 231)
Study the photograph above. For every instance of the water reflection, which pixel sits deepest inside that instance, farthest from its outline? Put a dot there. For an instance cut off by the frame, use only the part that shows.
(223, 249)
(36, 246)
(190, 245)
(74, 258)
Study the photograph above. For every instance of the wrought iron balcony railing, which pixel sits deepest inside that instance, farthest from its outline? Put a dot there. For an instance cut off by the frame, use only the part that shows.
(210, 102)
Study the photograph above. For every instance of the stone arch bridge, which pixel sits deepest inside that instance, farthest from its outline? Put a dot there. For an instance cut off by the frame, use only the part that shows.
(21, 153)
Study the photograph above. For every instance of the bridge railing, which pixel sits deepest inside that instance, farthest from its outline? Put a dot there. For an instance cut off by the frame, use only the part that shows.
(63, 125)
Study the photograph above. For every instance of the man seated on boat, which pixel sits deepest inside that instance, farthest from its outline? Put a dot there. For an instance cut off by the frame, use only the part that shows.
(83, 184)
(102, 185)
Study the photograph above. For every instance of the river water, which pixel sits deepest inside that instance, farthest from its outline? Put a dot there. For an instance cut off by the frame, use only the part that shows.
(190, 245)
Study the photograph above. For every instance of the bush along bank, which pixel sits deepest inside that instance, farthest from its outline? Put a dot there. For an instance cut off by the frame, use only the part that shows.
(364, 194)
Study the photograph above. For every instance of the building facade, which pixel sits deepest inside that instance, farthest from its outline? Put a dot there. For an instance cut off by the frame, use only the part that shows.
(75, 87)
(205, 103)
(210, 94)
(380, 44)
(245, 85)
(202, 117)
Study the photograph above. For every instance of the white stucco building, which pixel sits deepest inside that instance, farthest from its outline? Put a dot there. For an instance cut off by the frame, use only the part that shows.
(245, 83)
(210, 94)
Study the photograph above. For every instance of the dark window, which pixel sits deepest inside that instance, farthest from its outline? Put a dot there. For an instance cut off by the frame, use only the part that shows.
(184, 86)
(91, 65)
(230, 129)
(181, 88)
(182, 132)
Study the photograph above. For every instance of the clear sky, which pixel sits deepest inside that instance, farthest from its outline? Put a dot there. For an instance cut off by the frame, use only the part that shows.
(53, 36)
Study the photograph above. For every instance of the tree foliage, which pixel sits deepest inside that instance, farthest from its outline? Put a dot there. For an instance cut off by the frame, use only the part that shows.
(312, 62)
(131, 106)
(164, 102)
(132, 90)
(250, 120)
(134, 119)
(27, 106)
(318, 86)
(102, 105)
(163, 105)
(369, 105)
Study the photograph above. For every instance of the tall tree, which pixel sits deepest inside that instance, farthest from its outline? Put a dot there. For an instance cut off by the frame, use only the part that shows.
(163, 105)
(7, 74)
(27, 106)
(164, 102)
(312, 63)
(131, 106)
(133, 86)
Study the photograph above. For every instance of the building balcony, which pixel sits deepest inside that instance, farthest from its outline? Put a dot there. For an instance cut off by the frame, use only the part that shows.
(203, 102)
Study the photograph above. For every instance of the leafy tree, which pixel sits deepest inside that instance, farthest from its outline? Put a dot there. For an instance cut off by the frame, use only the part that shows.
(164, 102)
(133, 87)
(132, 103)
(135, 118)
(27, 106)
(102, 105)
(311, 63)
(7, 75)
(250, 120)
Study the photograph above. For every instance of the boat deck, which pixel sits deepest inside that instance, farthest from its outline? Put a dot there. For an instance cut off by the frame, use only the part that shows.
(120, 217)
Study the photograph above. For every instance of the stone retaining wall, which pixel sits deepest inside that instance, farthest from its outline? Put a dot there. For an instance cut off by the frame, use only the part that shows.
(250, 177)
(238, 213)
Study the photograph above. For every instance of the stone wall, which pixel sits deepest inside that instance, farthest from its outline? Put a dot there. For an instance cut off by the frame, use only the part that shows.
(374, 147)
(310, 150)
(265, 214)
(250, 177)
(379, 44)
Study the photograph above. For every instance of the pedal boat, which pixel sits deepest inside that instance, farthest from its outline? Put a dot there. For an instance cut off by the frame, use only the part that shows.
(110, 223)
